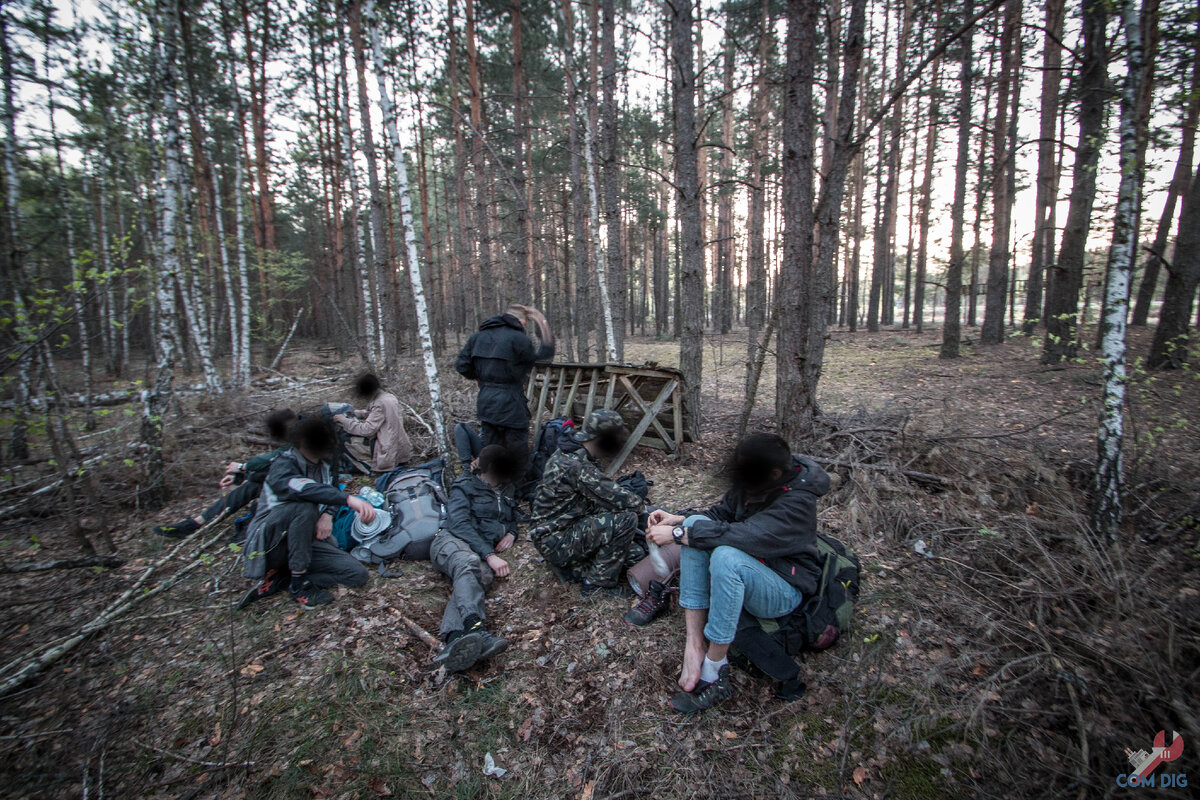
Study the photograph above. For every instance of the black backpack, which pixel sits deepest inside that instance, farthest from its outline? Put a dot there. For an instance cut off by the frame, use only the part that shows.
(554, 435)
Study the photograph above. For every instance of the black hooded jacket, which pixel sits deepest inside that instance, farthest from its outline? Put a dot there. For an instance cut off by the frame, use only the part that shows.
(778, 527)
(500, 356)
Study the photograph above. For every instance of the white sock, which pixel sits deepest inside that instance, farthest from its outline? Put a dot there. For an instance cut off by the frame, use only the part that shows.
(710, 670)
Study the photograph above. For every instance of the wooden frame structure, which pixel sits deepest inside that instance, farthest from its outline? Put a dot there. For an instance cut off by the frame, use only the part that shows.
(649, 398)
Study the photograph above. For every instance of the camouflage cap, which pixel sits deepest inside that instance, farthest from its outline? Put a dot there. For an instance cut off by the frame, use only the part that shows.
(602, 420)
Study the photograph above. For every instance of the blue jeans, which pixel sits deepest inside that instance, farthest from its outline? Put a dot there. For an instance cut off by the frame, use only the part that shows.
(725, 581)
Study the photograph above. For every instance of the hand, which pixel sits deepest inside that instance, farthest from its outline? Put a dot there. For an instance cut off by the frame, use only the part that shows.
(365, 511)
(663, 535)
(499, 565)
(505, 543)
(661, 517)
(360, 413)
(324, 527)
(226, 480)
(233, 467)
(340, 419)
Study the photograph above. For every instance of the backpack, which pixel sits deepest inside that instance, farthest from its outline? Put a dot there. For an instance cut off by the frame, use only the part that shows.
(816, 624)
(554, 435)
(417, 503)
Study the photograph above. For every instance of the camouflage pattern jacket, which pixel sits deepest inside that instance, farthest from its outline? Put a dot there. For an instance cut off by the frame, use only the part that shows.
(573, 487)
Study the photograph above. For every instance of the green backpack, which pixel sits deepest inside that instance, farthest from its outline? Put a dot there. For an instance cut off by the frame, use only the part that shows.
(825, 616)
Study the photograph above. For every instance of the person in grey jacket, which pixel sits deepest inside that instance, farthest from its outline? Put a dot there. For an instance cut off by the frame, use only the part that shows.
(288, 543)
(481, 523)
(755, 549)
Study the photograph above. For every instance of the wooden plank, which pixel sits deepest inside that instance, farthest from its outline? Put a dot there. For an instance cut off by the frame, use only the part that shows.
(636, 397)
(570, 404)
(537, 417)
(591, 395)
(533, 373)
(641, 428)
(677, 412)
(558, 393)
(608, 393)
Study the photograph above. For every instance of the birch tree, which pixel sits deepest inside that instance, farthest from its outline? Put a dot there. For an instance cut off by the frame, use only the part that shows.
(410, 240)
(1106, 517)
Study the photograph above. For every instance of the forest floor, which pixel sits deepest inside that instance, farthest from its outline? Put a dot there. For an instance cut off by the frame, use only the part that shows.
(997, 651)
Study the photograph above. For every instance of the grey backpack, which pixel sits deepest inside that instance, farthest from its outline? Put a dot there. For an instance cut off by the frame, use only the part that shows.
(418, 506)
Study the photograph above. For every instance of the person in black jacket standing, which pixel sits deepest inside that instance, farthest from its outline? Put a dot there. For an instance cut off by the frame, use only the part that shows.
(481, 523)
(499, 357)
(755, 549)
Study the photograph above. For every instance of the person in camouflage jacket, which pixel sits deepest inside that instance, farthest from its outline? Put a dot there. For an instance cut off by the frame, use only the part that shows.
(585, 523)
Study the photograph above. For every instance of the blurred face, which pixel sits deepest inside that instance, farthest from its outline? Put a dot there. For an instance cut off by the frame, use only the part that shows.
(609, 443)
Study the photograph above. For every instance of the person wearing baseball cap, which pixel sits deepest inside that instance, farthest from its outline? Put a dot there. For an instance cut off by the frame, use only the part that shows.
(584, 522)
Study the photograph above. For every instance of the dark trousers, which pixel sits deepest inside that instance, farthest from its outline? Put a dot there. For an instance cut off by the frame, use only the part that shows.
(469, 574)
(515, 440)
(290, 530)
(242, 495)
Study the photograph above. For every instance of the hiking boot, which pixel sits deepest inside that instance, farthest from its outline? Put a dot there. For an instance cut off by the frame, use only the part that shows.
(463, 648)
(492, 645)
(563, 574)
(594, 591)
(705, 695)
(272, 583)
(309, 594)
(656, 601)
(178, 530)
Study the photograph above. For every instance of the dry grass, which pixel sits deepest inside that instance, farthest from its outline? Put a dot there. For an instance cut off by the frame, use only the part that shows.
(1018, 660)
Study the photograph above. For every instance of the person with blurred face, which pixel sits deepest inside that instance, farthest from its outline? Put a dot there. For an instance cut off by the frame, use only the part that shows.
(289, 543)
(756, 549)
(499, 357)
(481, 523)
(584, 522)
(378, 438)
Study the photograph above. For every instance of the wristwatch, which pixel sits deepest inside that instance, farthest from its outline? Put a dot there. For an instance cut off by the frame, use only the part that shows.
(677, 533)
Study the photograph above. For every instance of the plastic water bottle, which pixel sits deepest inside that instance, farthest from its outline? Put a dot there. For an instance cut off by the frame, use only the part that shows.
(372, 496)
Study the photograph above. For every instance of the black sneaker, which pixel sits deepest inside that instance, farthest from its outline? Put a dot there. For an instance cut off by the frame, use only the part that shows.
(178, 530)
(492, 645)
(705, 695)
(656, 601)
(594, 591)
(310, 595)
(461, 650)
(272, 583)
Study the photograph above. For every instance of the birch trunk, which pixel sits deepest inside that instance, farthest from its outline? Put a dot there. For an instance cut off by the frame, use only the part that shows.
(158, 397)
(1106, 516)
(410, 239)
(614, 312)
(599, 231)
(240, 368)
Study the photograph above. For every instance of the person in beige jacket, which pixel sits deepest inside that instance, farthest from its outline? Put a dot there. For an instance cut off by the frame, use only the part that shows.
(379, 439)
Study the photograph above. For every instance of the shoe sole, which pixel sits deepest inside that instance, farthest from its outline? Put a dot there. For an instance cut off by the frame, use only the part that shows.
(463, 653)
(496, 650)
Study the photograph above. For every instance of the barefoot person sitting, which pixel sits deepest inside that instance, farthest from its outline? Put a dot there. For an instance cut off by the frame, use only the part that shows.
(481, 523)
(756, 550)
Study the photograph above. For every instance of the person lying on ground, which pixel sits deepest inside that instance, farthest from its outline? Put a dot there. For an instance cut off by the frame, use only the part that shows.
(241, 483)
(756, 549)
(289, 543)
(377, 435)
(500, 356)
(481, 523)
(585, 524)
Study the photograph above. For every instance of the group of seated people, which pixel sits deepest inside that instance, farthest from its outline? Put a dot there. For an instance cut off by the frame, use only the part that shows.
(754, 550)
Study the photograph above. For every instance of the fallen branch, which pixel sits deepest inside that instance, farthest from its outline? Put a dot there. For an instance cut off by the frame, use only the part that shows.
(218, 764)
(914, 476)
(287, 340)
(1005, 434)
(34, 662)
(63, 563)
(421, 633)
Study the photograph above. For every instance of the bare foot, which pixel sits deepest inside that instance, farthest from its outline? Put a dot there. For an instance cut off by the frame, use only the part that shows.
(689, 676)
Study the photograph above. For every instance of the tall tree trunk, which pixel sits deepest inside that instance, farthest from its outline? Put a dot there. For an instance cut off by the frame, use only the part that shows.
(380, 250)
(523, 245)
(410, 240)
(687, 188)
(1177, 188)
(935, 102)
(1169, 349)
(1004, 153)
(795, 404)
(483, 234)
(578, 223)
(723, 294)
(756, 266)
(614, 311)
(952, 324)
(1106, 515)
(467, 264)
(158, 397)
(1065, 278)
(1044, 233)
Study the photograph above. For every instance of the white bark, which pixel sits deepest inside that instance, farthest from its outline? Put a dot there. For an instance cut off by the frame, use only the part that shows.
(599, 230)
(240, 371)
(196, 309)
(18, 447)
(410, 240)
(231, 294)
(1107, 514)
